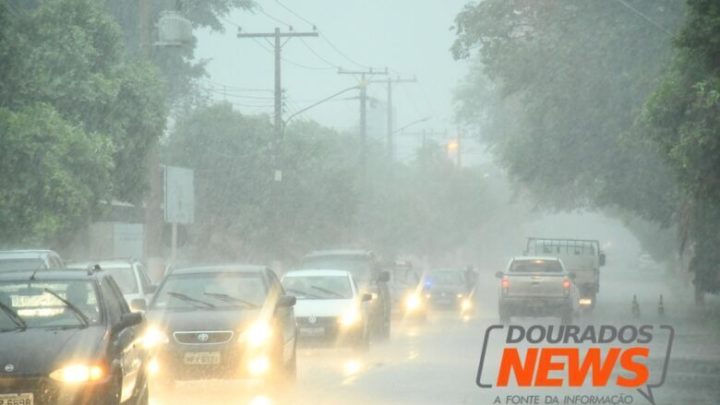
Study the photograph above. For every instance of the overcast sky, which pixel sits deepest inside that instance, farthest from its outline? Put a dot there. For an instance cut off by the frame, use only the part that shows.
(410, 37)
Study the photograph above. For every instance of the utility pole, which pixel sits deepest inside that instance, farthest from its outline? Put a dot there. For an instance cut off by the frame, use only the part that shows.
(363, 107)
(277, 35)
(390, 120)
(276, 157)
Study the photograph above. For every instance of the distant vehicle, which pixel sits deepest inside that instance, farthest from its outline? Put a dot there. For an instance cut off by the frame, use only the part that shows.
(369, 276)
(448, 289)
(231, 321)
(329, 306)
(581, 257)
(408, 298)
(20, 260)
(130, 276)
(68, 336)
(537, 286)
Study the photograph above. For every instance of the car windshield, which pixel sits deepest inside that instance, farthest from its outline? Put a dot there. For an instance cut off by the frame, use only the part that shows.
(318, 287)
(125, 278)
(7, 264)
(358, 266)
(536, 266)
(218, 290)
(444, 278)
(43, 304)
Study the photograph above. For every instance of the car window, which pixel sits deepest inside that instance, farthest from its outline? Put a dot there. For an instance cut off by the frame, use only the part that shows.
(37, 304)
(125, 278)
(22, 264)
(211, 291)
(319, 287)
(361, 267)
(536, 266)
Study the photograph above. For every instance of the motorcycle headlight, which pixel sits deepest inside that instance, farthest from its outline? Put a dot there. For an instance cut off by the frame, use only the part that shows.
(257, 335)
(350, 317)
(154, 337)
(78, 374)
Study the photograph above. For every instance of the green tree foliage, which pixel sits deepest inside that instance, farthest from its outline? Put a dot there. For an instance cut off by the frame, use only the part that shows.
(683, 118)
(65, 60)
(555, 89)
(324, 200)
(54, 174)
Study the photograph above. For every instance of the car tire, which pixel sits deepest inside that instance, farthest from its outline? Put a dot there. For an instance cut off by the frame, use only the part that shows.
(114, 391)
(290, 369)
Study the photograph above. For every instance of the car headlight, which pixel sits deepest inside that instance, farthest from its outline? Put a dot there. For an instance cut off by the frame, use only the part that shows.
(154, 337)
(466, 304)
(412, 302)
(257, 334)
(78, 374)
(350, 317)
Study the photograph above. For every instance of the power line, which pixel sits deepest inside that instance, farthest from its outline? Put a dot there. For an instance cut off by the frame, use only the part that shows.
(341, 53)
(294, 13)
(272, 17)
(645, 17)
(290, 61)
(333, 65)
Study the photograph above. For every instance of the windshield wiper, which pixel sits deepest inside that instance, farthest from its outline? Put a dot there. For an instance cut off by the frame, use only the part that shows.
(14, 316)
(187, 298)
(302, 293)
(78, 313)
(230, 298)
(326, 291)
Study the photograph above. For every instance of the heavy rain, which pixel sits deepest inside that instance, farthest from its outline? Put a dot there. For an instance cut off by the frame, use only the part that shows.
(359, 202)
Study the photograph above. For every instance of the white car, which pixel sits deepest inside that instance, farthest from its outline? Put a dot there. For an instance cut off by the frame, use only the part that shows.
(130, 276)
(329, 306)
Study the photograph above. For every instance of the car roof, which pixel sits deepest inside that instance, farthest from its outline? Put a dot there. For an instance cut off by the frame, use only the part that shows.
(316, 272)
(224, 268)
(339, 252)
(548, 258)
(109, 264)
(60, 274)
(26, 253)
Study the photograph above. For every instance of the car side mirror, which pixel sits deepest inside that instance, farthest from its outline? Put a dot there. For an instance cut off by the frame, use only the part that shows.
(572, 275)
(138, 304)
(129, 320)
(384, 276)
(499, 274)
(602, 258)
(366, 297)
(287, 301)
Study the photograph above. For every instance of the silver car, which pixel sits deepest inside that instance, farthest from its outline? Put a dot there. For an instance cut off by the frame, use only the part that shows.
(130, 276)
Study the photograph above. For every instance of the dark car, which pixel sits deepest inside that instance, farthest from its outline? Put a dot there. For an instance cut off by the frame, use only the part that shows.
(225, 322)
(68, 337)
(369, 276)
(448, 289)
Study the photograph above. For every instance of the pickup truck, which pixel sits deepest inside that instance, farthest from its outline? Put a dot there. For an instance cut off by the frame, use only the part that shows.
(537, 286)
(581, 257)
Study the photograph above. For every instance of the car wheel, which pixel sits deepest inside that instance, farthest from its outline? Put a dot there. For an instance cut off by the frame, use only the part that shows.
(290, 369)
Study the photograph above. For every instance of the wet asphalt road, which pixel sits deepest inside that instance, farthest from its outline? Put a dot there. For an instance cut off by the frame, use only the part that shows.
(436, 362)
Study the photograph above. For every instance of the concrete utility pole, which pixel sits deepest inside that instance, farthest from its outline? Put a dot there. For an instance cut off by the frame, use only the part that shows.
(277, 121)
(363, 107)
(390, 119)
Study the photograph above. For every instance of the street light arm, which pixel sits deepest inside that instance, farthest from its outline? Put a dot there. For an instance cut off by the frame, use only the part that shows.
(411, 124)
(295, 114)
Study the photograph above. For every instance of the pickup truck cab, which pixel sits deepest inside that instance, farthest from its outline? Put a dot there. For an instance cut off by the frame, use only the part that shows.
(537, 286)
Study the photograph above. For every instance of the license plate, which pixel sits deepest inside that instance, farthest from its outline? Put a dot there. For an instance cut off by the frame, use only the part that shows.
(201, 358)
(16, 399)
(312, 332)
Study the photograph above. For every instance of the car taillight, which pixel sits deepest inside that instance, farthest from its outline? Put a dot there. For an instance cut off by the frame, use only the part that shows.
(505, 284)
(566, 285)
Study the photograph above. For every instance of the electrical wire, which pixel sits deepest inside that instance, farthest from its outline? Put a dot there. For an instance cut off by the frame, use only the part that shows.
(270, 16)
(333, 65)
(294, 13)
(645, 17)
(292, 62)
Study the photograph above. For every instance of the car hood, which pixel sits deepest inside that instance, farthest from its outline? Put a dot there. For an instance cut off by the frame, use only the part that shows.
(307, 307)
(202, 320)
(40, 351)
